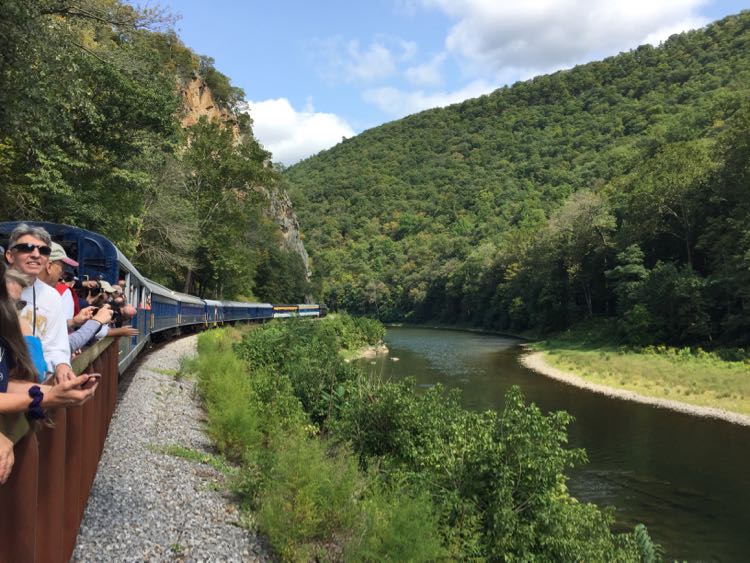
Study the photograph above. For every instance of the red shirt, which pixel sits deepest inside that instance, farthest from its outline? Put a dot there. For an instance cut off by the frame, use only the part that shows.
(62, 288)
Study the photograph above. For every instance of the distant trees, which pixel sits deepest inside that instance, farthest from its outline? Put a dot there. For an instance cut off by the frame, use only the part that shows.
(616, 189)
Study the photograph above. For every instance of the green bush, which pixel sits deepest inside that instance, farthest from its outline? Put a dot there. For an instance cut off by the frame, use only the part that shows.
(372, 331)
(309, 496)
(226, 391)
(307, 353)
(441, 481)
(397, 525)
(497, 475)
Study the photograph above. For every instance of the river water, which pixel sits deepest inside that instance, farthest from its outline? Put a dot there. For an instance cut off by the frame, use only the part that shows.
(686, 478)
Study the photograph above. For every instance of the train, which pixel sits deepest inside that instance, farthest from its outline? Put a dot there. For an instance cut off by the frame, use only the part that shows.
(161, 312)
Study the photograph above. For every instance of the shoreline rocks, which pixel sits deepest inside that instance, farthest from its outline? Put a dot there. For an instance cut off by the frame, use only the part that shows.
(372, 352)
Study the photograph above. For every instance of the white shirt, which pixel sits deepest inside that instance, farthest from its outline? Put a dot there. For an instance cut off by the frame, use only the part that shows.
(68, 308)
(48, 322)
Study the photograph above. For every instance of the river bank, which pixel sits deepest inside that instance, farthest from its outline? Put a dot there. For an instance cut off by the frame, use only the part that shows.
(537, 361)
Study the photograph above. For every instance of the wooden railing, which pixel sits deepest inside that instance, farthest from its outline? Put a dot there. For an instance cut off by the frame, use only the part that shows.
(42, 504)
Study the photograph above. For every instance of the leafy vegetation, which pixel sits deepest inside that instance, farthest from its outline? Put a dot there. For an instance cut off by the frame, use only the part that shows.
(90, 135)
(616, 189)
(337, 466)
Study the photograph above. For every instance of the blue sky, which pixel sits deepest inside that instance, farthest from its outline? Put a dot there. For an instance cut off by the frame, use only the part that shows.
(314, 71)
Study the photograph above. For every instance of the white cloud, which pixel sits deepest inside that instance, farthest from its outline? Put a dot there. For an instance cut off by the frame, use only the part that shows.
(373, 63)
(398, 103)
(664, 33)
(292, 135)
(348, 61)
(550, 34)
(427, 74)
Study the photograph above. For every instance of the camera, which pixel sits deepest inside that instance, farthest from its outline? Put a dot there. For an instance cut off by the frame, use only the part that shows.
(116, 313)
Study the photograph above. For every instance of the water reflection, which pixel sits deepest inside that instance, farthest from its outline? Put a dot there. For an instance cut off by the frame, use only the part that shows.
(686, 478)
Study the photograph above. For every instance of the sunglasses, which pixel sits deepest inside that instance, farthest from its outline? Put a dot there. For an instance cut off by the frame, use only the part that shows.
(20, 304)
(95, 290)
(28, 248)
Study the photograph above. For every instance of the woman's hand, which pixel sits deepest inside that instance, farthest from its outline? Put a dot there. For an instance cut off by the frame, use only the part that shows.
(68, 393)
(6, 458)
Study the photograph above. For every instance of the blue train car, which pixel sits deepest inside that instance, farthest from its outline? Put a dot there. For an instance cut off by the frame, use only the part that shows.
(260, 311)
(192, 310)
(164, 307)
(234, 310)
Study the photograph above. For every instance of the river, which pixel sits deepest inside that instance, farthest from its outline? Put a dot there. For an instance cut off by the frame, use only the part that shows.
(687, 478)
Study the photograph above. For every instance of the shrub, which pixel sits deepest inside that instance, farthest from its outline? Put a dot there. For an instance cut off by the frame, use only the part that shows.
(449, 483)
(397, 525)
(372, 331)
(308, 497)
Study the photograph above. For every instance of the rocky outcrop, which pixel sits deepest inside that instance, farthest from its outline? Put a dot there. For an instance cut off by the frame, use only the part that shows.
(198, 101)
(280, 212)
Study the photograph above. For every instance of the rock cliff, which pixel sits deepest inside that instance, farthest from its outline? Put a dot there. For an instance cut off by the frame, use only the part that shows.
(199, 102)
(280, 212)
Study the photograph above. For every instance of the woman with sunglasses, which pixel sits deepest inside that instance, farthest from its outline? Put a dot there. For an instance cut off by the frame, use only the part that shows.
(18, 391)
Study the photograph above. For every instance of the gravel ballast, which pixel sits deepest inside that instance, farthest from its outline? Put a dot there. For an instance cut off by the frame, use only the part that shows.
(150, 506)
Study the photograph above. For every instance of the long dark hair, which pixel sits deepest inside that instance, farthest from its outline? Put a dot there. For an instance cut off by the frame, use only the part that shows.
(10, 331)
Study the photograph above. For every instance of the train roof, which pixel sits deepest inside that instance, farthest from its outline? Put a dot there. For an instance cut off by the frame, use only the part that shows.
(159, 289)
(245, 304)
(69, 235)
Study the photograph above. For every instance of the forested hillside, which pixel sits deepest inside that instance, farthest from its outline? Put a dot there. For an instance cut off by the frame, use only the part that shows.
(616, 189)
(90, 135)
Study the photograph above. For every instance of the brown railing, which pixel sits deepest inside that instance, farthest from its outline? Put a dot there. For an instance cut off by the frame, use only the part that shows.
(42, 504)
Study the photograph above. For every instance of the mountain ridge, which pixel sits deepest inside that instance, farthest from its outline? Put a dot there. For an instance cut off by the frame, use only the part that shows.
(426, 192)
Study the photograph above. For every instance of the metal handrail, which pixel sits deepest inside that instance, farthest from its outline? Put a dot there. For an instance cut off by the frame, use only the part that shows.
(43, 501)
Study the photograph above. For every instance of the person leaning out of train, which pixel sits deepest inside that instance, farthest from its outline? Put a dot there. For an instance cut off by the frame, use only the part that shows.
(28, 251)
(91, 295)
(120, 302)
(18, 390)
(52, 274)
(88, 321)
(67, 284)
(115, 328)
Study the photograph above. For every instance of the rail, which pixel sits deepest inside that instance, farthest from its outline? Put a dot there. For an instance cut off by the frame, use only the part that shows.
(43, 501)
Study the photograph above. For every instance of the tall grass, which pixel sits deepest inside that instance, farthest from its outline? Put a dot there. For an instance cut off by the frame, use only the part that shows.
(692, 376)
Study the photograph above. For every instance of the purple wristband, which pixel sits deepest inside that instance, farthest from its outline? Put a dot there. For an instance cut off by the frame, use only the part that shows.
(35, 410)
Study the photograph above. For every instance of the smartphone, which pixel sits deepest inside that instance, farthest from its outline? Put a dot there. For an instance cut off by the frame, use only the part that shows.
(93, 378)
